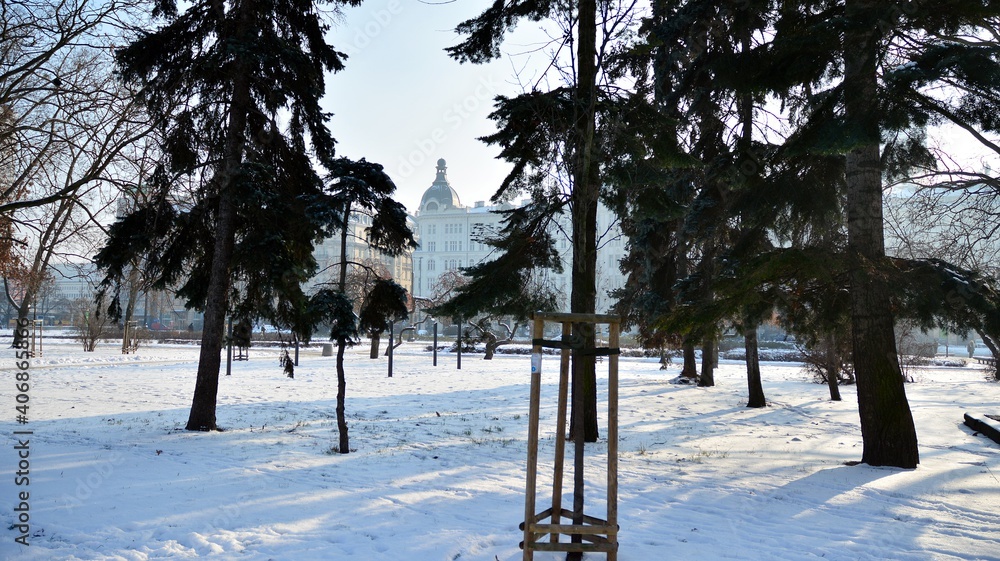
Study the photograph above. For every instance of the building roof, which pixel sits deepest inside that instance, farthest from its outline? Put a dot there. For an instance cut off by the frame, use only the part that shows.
(440, 195)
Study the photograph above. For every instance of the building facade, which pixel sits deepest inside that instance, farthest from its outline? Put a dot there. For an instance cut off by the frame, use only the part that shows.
(450, 236)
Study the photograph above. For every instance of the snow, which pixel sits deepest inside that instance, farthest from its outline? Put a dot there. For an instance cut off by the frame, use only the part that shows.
(438, 470)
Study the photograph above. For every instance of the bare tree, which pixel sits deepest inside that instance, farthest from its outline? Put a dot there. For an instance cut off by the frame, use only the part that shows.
(60, 102)
(90, 322)
(361, 278)
(64, 124)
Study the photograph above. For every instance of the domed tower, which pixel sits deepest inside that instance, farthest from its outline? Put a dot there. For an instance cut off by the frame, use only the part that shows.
(440, 196)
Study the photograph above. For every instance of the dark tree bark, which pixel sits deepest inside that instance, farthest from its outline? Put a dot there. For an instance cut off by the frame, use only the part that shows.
(690, 369)
(992, 343)
(345, 443)
(887, 426)
(833, 363)
(130, 300)
(202, 416)
(203, 405)
(586, 189)
(206, 389)
(376, 339)
(707, 378)
(491, 344)
(754, 385)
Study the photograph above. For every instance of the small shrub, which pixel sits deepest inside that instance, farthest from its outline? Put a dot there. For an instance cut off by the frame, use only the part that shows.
(91, 323)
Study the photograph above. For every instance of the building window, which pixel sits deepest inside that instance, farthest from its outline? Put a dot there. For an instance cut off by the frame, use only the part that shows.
(431, 229)
(432, 246)
(430, 265)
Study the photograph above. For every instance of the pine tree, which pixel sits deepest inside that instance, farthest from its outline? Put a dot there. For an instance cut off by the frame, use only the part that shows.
(363, 187)
(866, 76)
(696, 45)
(236, 206)
(575, 122)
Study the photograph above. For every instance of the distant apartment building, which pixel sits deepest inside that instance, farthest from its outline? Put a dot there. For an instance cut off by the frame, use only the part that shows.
(328, 258)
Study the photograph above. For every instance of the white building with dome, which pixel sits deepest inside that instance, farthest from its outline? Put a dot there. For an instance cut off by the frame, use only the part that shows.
(449, 234)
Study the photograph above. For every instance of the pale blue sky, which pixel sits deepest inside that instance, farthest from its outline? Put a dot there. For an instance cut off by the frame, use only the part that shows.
(404, 103)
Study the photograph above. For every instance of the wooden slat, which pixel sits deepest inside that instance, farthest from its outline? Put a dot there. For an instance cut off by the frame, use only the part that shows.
(586, 519)
(570, 529)
(578, 318)
(575, 547)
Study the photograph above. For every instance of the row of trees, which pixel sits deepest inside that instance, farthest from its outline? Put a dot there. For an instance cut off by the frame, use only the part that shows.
(232, 212)
(747, 146)
(205, 145)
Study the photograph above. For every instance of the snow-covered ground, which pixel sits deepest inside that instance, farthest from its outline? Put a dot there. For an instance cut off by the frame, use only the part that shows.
(438, 470)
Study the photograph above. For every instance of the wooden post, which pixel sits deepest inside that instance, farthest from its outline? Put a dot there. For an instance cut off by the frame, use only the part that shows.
(533, 414)
(613, 343)
(562, 403)
(392, 340)
(435, 343)
(229, 349)
(36, 332)
(459, 343)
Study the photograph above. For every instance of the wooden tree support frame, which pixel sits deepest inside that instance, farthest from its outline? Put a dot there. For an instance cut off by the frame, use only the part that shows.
(130, 343)
(242, 353)
(36, 338)
(587, 533)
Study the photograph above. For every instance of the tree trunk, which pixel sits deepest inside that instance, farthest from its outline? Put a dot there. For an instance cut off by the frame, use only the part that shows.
(43, 254)
(586, 188)
(690, 369)
(887, 428)
(345, 443)
(833, 362)
(993, 344)
(707, 378)
(583, 297)
(202, 416)
(491, 345)
(206, 390)
(376, 337)
(133, 295)
(754, 385)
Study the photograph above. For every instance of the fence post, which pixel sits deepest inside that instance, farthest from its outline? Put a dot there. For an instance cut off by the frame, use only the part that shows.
(229, 349)
(392, 339)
